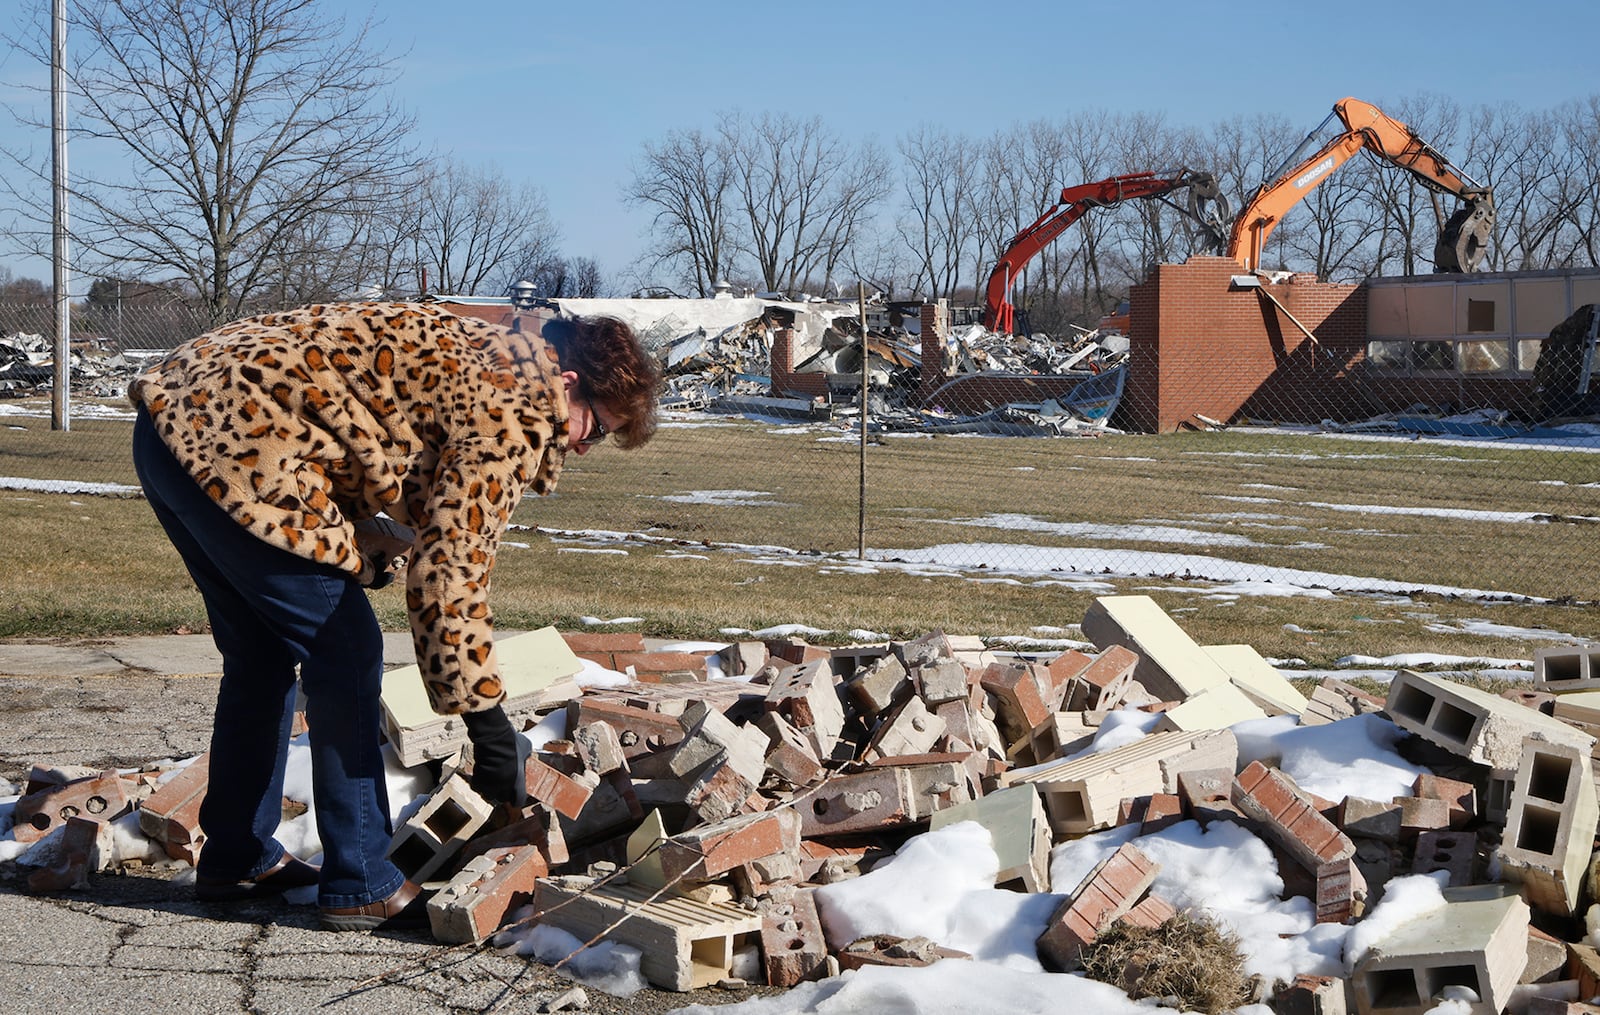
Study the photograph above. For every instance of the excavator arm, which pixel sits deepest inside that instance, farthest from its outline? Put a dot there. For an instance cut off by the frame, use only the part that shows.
(1074, 202)
(1463, 237)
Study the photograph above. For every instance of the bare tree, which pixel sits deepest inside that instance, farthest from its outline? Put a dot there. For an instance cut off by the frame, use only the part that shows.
(476, 232)
(802, 194)
(940, 179)
(240, 124)
(1532, 174)
(685, 180)
(586, 279)
(1580, 127)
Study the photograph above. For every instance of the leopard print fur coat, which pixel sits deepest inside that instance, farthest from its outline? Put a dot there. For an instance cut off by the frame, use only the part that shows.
(303, 422)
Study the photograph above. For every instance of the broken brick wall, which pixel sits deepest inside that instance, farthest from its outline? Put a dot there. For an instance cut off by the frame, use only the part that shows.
(1202, 346)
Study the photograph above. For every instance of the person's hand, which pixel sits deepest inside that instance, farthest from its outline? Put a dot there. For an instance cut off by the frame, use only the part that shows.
(386, 544)
(496, 769)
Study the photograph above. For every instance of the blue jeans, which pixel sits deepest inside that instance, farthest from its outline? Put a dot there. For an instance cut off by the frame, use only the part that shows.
(271, 610)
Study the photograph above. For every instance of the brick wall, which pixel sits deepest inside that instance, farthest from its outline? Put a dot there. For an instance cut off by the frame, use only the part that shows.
(1202, 346)
(785, 382)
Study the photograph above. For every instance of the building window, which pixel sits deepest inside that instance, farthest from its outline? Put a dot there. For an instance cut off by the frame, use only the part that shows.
(1528, 353)
(1483, 357)
(1432, 356)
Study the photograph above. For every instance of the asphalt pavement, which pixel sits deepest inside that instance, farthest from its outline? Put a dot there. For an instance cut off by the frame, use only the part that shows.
(139, 942)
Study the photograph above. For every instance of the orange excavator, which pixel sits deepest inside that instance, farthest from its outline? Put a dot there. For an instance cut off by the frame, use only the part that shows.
(1464, 236)
(998, 313)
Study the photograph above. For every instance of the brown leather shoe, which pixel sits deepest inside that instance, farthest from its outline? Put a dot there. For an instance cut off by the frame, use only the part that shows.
(406, 909)
(289, 872)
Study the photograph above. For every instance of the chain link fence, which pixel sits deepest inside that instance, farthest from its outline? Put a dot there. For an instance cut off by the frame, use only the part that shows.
(1281, 433)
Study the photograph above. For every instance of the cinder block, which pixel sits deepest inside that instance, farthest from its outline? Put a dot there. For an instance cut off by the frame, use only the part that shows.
(1082, 794)
(1061, 734)
(1550, 829)
(100, 798)
(1020, 829)
(793, 947)
(475, 902)
(1271, 798)
(1261, 682)
(1567, 668)
(432, 836)
(686, 944)
(1171, 666)
(1111, 889)
(1474, 724)
(171, 815)
(1477, 941)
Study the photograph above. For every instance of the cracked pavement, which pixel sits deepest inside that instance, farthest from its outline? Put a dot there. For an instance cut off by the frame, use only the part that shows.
(139, 941)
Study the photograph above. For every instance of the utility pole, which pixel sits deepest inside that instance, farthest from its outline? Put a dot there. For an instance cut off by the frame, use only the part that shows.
(60, 400)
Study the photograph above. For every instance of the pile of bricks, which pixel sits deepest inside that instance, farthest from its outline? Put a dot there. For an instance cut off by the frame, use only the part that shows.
(693, 818)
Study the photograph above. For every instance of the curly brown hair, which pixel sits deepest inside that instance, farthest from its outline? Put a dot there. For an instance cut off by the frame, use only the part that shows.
(614, 368)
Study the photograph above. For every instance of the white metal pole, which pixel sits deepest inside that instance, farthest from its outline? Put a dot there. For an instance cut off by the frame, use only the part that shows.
(60, 401)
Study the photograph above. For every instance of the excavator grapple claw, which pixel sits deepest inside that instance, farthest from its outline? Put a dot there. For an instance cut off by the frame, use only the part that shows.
(1464, 240)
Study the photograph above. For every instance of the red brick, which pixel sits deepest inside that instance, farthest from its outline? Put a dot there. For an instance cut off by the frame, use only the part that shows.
(1019, 691)
(640, 731)
(100, 798)
(171, 815)
(1443, 849)
(584, 641)
(1421, 814)
(476, 901)
(792, 943)
(1269, 797)
(1105, 680)
(1111, 889)
(709, 850)
(561, 793)
(1461, 796)
(1151, 912)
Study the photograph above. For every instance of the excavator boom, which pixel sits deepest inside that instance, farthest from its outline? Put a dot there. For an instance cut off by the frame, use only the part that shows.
(1464, 236)
(1074, 202)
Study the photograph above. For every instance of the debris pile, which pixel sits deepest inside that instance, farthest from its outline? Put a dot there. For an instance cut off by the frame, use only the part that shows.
(27, 367)
(702, 809)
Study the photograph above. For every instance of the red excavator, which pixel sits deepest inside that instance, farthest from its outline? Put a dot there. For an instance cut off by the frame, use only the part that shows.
(1000, 315)
(1462, 238)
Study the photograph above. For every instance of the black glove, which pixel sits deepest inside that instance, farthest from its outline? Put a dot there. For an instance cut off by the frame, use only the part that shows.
(496, 770)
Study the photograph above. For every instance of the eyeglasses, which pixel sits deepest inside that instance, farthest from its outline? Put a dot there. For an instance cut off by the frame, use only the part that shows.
(597, 429)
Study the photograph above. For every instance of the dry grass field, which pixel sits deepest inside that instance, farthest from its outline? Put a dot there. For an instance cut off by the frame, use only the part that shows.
(725, 525)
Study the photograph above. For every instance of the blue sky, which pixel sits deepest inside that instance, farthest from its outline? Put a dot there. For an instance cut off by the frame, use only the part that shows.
(564, 95)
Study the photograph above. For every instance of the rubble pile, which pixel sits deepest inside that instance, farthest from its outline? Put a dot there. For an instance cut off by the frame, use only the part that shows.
(700, 809)
(27, 367)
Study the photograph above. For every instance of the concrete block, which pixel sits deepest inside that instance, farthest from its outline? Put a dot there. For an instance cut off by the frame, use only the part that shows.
(908, 728)
(924, 649)
(475, 902)
(1061, 734)
(1547, 958)
(1114, 886)
(808, 696)
(708, 851)
(1288, 819)
(709, 734)
(171, 815)
(1171, 666)
(1477, 941)
(100, 798)
(438, 830)
(1474, 724)
(793, 947)
(1567, 668)
(1461, 796)
(686, 944)
(1020, 829)
(881, 798)
(1261, 682)
(1207, 794)
(743, 658)
(1550, 828)
(1082, 794)
(1215, 708)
